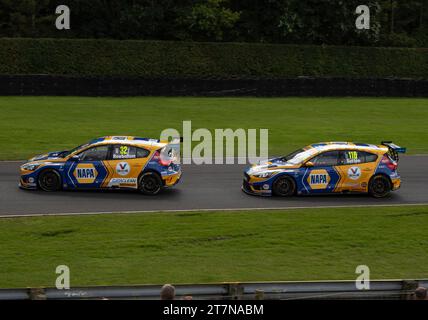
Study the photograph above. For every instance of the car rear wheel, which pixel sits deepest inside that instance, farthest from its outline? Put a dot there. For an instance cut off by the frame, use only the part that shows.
(379, 186)
(49, 180)
(284, 186)
(150, 183)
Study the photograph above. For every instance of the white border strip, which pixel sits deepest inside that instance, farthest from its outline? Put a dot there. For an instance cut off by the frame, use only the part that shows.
(207, 210)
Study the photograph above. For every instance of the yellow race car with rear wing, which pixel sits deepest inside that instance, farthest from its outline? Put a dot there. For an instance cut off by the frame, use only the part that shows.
(111, 162)
(328, 167)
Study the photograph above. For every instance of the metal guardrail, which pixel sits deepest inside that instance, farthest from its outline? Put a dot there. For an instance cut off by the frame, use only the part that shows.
(379, 289)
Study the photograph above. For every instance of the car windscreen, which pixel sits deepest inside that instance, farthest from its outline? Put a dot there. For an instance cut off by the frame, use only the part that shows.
(299, 156)
(65, 154)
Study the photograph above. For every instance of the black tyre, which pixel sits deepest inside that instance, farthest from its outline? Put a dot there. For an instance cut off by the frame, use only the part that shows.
(284, 186)
(150, 183)
(49, 180)
(379, 186)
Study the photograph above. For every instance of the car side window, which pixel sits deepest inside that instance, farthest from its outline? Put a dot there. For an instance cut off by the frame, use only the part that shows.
(98, 153)
(124, 152)
(128, 152)
(329, 158)
(142, 153)
(370, 157)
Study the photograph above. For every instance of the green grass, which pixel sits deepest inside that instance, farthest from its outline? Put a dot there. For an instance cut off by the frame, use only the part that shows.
(31, 125)
(192, 247)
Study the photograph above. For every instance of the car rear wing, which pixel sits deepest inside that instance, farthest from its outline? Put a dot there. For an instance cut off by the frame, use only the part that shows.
(393, 149)
(171, 152)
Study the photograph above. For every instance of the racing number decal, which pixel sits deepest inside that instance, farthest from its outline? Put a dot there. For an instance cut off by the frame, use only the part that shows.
(123, 150)
(353, 155)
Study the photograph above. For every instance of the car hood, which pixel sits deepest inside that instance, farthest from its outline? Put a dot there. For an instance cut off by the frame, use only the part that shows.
(48, 156)
(272, 164)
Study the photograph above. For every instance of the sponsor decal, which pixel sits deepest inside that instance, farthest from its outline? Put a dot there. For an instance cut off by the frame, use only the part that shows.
(354, 173)
(123, 168)
(266, 186)
(123, 182)
(85, 173)
(318, 179)
(31, 180)
(124, 156)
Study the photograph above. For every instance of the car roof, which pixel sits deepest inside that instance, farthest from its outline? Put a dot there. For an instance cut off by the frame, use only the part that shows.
(326, 146)
(129, 140)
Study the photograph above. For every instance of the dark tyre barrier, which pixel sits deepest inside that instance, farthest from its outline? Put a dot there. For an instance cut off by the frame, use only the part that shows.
(27, 85)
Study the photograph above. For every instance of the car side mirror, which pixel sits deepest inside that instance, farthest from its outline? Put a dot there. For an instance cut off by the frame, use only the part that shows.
(309, 164)
(75, 158)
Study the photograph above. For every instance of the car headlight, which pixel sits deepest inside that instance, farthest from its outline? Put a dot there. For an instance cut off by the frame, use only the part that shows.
(266, 174)
(30, 166)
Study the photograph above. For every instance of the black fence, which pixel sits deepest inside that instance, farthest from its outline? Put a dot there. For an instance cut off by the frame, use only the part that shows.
(36, 85)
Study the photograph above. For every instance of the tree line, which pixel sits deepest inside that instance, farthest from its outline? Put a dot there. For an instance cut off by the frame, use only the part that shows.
(329, 22)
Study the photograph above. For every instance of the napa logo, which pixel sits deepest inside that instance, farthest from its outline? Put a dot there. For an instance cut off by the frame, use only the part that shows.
(318, 179)
(85, 173)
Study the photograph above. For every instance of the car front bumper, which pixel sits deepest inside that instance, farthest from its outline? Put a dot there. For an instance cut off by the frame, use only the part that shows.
(254, 186)
(25, 184)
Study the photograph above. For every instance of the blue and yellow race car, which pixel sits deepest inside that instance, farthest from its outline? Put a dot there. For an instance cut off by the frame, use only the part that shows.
(113, 162)
(329, 167)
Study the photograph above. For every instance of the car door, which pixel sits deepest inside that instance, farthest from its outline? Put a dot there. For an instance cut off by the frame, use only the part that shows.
(320, 175)
(88, 169)
(355, 168)
(125, 165)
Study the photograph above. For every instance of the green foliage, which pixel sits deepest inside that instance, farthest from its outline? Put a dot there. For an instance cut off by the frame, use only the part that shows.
(208, 19)
(329, 22)
(29, 18)
(201, 60)
(400, 40)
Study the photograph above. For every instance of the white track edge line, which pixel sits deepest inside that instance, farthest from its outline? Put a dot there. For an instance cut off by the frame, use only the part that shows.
(207, 210)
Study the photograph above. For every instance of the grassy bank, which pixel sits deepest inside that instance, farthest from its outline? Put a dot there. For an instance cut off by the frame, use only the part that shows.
(31, 125)
(197, 247)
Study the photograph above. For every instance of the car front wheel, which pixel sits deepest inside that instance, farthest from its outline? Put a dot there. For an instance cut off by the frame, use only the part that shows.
(49, 180)
(284, 186)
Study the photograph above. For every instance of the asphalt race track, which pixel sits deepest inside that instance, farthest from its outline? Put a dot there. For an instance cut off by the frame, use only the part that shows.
(202, 187)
